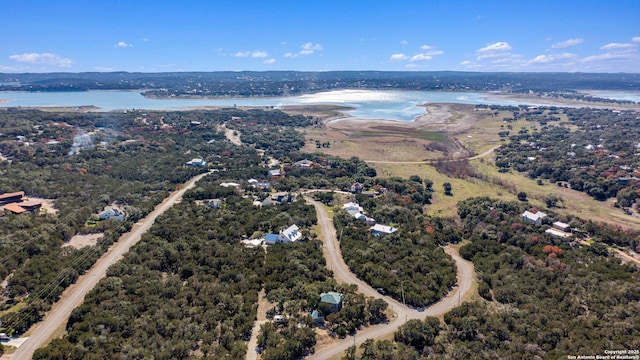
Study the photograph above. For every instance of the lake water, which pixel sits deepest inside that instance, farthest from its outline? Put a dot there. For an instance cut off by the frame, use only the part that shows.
(616, 95)
(368, 104)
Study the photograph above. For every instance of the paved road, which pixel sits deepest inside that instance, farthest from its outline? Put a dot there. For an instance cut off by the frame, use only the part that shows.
(335, 262)
(73, 296)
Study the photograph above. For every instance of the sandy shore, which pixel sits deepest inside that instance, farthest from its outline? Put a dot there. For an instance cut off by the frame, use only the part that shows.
(438, 115)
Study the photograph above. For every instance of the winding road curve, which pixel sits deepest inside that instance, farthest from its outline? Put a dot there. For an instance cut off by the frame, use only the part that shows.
(73, 296)
(331, 249)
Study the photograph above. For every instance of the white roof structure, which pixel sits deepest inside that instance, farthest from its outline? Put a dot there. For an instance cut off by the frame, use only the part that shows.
(252, 243)
(290, 234)
(386, 229)
(531, 216)
(229, 184)
(558, 233)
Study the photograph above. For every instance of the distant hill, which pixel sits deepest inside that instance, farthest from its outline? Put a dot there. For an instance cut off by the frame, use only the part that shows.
(279, 83)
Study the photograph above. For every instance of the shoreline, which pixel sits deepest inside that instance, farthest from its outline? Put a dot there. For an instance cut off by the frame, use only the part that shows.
(437, 115)
(336, 113)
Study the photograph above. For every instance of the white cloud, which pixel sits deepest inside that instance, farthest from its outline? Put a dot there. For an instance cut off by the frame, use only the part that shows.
(122, 44)
(311, 46)
(434, 52)
(426, 47)
(421, 57)
(466, 62)
(404, 42)
(253, 54)
(636, 39)
(42, 58)
(307, 49)
(8, 68)
(269, 61)
(259, 54)
(545, 59)
(399, 57)
(607, 56)
(616, 46)
(495, 55)
(567, 43)
(102, 68)
(499, 46)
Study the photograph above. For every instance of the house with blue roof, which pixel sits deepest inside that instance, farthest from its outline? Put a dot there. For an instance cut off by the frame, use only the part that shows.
(288, 235)
(333, 299)
(271, 239)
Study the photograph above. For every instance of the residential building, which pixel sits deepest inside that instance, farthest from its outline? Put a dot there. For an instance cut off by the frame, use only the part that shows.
(557, 233)
(252, 243)
(303, 163)
(214, 203)
(282, 197)
(356, 188)
(31, 205)
(196, 162)
(8, 198)
(379, 229)
(115, 214)
(271, 239)
(289, 234)
(562, 226)
(530, 217)
(332, 298)
(14, 208)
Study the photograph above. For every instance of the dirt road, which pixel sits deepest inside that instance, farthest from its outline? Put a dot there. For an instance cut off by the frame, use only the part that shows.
(73, 296)
(331, 250)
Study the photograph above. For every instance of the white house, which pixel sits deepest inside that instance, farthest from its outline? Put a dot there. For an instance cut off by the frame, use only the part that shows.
(353, 208)
(289, 234)
(303, 163)
(555, 232)
(197, 162)
(561, 226)
(528, 216)
(379, 229)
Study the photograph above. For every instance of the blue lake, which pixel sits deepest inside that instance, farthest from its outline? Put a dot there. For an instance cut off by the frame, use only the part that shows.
(368, 104)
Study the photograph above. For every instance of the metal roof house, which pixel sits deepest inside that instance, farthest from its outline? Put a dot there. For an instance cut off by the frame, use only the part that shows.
(115, 214)
(332, 298)
(197, 162)
(379, 229)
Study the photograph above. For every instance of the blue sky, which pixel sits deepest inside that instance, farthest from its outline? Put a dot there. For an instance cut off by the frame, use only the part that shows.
(220, 35)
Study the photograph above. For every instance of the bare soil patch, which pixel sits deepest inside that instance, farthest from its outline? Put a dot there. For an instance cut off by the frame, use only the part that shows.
(47, 205)
(80, 241)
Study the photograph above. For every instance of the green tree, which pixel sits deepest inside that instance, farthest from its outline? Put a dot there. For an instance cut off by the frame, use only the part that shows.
(447, 188)
(522, 196)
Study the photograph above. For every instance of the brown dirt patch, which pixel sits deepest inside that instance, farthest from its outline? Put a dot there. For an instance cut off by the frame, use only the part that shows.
(47, 205)
(80, 241)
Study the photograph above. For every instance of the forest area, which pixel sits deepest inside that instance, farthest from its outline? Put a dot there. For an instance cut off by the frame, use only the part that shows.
(541, 297)
(190, 288)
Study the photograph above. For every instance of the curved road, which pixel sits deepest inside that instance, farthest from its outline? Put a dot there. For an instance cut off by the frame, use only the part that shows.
(73, 296)
(335, 262)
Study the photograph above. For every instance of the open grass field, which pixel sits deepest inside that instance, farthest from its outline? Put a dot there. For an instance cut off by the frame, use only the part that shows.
(400, 149)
